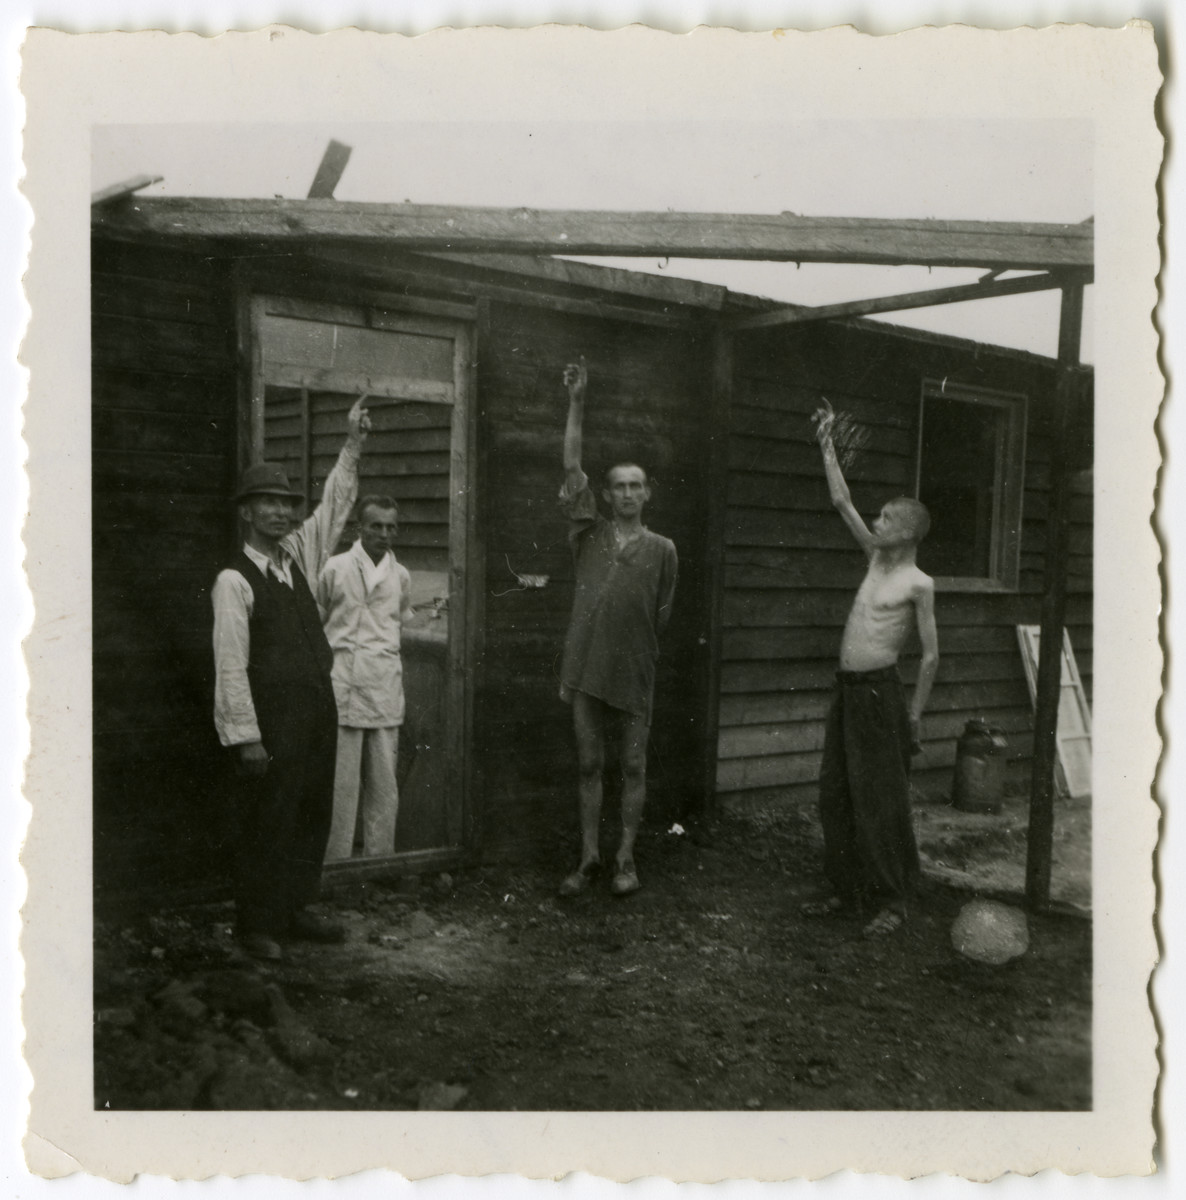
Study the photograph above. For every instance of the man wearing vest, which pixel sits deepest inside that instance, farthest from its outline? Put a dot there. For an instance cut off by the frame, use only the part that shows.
(274, 701)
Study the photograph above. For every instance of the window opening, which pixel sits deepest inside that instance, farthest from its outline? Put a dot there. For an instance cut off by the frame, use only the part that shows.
(970, 471)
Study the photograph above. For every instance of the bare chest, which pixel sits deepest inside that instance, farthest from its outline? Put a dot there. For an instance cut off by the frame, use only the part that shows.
(884, 597)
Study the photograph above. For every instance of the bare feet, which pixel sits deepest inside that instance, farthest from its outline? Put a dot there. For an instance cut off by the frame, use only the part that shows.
(625, 882)
(821, 908)
(888, 921)
(578, 881)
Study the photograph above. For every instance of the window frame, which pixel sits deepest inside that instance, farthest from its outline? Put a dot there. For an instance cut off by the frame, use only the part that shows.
(1008, 482)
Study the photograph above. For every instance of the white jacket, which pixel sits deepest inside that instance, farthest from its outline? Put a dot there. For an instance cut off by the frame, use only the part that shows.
(364, 606)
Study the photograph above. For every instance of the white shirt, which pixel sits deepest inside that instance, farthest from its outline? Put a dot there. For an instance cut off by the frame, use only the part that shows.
(308, 546)
(364, 605)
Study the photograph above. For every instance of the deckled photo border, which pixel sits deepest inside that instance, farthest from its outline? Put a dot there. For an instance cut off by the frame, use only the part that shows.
(70, 83)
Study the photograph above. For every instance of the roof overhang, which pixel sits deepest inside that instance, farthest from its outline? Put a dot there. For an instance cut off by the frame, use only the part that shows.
(991, 245)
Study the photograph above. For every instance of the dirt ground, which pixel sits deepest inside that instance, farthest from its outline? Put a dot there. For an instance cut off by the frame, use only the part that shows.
(706, 990)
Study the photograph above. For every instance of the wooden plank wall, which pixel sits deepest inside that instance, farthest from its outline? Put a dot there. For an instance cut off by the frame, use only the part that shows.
(791, 568)
(645, 402)
(163, 455)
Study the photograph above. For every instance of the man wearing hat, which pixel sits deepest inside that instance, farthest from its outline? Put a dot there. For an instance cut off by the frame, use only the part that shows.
(274, 701)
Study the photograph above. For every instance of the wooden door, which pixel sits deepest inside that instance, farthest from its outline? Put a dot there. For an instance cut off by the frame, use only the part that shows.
(1073, 768)
(312, 362)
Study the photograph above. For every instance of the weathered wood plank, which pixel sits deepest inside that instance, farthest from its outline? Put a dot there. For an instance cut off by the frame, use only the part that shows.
(776, 608)
(154, 471)
(208, 394)
(666, 289)
(329, 170)
(782, 237)
(139, 430)
(798, 531)
(156, 541)
(792, 458)
(801, 568)
(387, 442)
(776, 770)
(761, 741)
(774, 708)
(779, 675)
(378, 386)
(985, 290)
(138, 261)
(161, 299)
(117, 191)
(896, 438)
(127, 342)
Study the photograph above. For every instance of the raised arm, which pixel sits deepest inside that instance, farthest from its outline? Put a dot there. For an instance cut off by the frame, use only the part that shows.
(924, 612)
(576, 377)
(313, 543)
(825, 419)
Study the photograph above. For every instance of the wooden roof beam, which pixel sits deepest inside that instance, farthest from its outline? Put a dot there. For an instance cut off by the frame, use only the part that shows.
(927, 299)
(123, 189)
(329, 171)
(778, 237)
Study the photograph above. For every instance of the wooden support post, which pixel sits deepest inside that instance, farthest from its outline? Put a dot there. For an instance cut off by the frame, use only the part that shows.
(1040, 837)
(720, 404)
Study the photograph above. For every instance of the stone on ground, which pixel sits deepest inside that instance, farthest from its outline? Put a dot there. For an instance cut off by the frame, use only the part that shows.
(989, 932)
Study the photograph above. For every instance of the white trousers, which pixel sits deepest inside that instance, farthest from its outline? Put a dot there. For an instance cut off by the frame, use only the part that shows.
(365, 769)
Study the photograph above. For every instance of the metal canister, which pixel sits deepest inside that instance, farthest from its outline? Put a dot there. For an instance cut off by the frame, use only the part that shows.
(979, 784)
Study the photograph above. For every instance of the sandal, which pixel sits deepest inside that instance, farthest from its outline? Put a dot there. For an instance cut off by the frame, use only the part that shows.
(580, 879)
(888, 921)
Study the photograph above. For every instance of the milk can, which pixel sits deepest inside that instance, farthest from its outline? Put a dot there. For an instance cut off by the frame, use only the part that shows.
(979, 784)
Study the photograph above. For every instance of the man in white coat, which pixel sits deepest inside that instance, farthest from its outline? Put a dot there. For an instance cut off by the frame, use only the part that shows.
(365, 597)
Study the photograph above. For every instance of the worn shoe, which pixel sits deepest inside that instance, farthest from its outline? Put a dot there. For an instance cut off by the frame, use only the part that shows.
(579, 880)
(309, 927)
(260, 946)
(625, 881)
(888, 921)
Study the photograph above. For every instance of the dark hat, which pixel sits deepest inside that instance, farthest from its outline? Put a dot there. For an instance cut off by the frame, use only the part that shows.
(265, 479)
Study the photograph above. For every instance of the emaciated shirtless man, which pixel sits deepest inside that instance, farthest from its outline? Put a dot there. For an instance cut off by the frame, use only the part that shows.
(869, 848)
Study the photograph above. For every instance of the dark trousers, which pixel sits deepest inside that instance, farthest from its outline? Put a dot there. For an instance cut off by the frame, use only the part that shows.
(864, 789)
(283, 818)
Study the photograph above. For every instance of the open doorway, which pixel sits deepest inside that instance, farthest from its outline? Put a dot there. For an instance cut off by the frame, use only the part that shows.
(311, 361)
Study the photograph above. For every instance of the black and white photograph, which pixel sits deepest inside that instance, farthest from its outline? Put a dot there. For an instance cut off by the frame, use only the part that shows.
(598, 615)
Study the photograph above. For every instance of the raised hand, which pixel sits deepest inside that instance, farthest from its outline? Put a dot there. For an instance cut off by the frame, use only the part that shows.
(576, 377)
(824, 420)
(358, 421)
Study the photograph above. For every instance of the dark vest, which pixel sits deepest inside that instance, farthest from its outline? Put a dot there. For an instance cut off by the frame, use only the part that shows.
(290, 660)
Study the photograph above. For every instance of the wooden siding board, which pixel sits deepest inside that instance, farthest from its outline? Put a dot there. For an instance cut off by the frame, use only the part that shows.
(163, 436)
(129, 342)
(791, 569)
(643, 406)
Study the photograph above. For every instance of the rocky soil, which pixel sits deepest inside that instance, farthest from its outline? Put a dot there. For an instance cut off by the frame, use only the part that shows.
(706, 990)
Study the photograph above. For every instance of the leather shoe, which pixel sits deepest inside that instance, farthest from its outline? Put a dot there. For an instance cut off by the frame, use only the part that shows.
(260, 946)
(311, 928)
